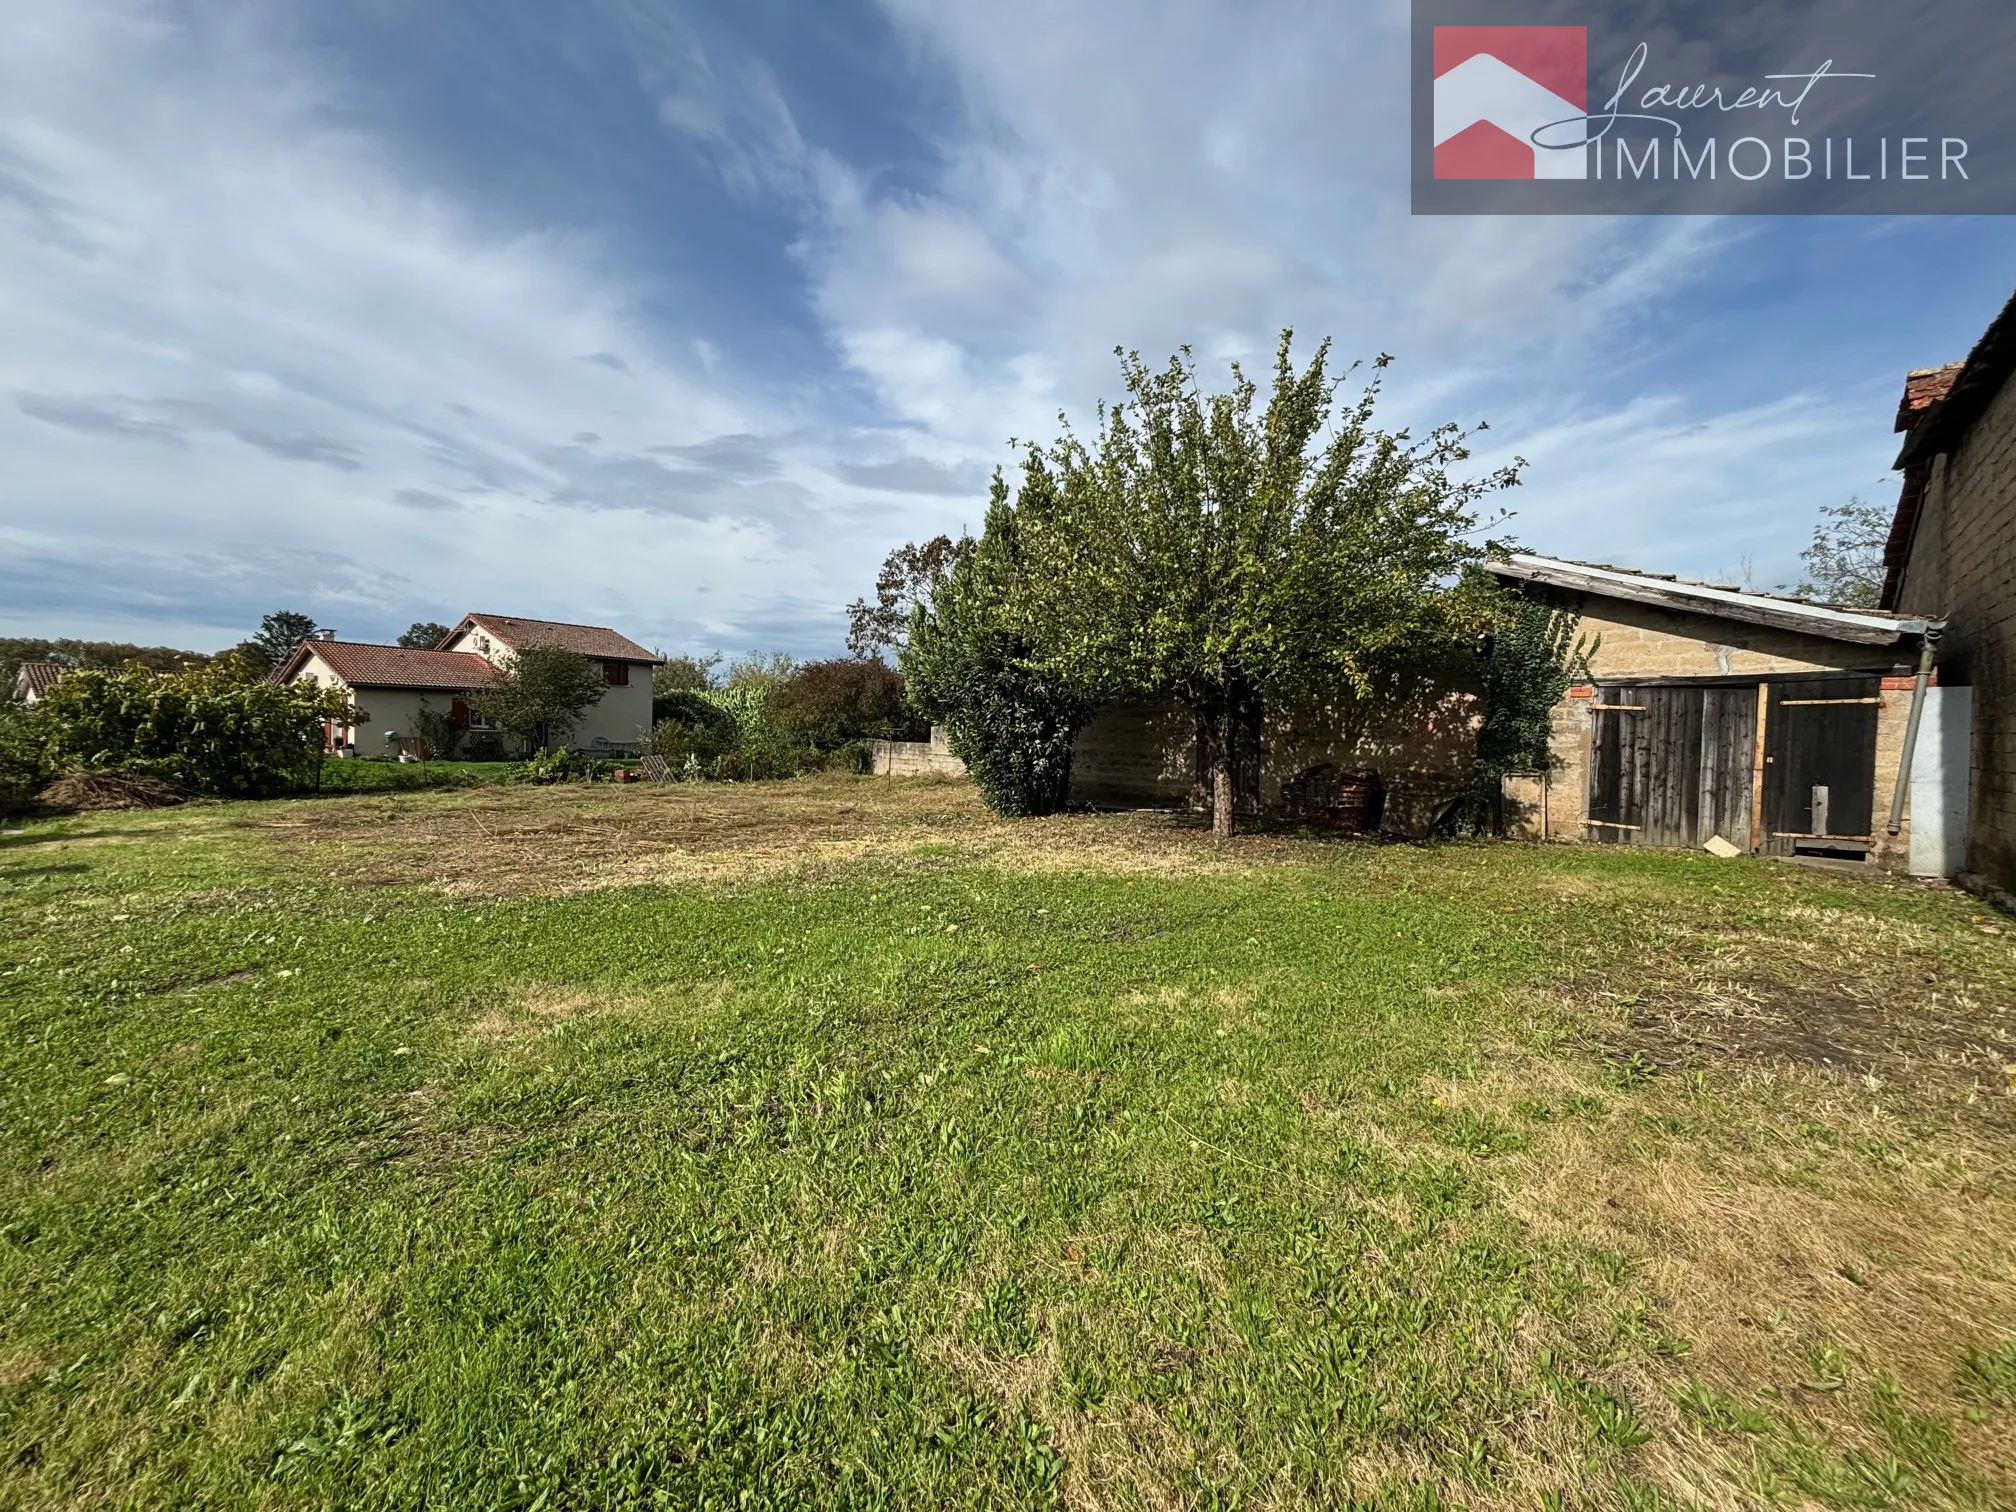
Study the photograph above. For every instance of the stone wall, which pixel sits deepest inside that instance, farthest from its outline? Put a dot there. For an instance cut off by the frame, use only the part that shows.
(1643, 641)
(1962, 566)
(1144, 755)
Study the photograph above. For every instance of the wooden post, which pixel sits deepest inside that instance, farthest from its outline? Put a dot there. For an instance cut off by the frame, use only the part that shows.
(1757, 771)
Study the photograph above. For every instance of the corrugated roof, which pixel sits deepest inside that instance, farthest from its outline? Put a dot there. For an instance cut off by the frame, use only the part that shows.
(367, 666)
(1833, 621)
(590, 640)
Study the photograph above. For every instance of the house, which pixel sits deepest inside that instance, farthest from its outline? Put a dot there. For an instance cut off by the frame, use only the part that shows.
(1777, 723)
(33, 679)
(1953, 545)
(392, 684)
(622, 718)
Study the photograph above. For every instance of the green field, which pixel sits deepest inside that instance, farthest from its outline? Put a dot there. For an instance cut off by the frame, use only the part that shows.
(828, 1142)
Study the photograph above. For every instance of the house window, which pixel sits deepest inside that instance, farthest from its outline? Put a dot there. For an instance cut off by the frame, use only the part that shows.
(616, 674)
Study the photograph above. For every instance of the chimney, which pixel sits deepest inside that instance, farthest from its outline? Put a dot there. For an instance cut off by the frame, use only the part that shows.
(325, 635)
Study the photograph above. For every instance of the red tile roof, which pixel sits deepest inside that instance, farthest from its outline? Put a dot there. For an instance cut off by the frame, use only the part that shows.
(36, 678)
(590, 640)
(1923, 388)
(366, 666)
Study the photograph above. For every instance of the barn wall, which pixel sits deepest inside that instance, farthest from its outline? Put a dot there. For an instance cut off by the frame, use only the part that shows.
(1641, 640)
(1144, 754)
(1963, 566)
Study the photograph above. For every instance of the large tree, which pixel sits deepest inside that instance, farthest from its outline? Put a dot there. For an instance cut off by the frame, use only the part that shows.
(542, 694)
(1232, 554)
(1844, 565)
(908, 575)
(422, 635)
(279, 633)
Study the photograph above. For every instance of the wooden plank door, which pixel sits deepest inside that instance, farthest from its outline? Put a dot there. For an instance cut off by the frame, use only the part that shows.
(1670, 764)
(1728, 755)
(1617, 764)
(1820, 760)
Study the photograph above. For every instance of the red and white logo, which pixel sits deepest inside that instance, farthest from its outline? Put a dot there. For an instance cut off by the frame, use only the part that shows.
(1495, 86)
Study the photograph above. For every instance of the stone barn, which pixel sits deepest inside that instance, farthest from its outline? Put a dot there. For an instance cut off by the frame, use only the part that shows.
(1953, 548)
(1774, 723)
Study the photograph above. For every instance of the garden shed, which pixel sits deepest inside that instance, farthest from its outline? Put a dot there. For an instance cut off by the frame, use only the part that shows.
(1776, 723)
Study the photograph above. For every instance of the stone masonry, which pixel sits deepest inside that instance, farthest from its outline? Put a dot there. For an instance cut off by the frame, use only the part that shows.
(1962, 564)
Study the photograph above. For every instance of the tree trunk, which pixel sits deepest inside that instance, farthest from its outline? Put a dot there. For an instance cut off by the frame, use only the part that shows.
(1222, 798)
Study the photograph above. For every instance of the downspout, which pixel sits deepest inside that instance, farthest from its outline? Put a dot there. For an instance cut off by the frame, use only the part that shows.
(1911, 728)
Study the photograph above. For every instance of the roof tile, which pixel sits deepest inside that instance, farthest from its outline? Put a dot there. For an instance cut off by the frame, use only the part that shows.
(367, 666)
(589, 640)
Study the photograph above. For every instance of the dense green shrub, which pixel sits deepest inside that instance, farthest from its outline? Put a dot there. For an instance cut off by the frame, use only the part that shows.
(826, 704)
(1009, 719)
(693, 731)
(209, 729)
(20, 759)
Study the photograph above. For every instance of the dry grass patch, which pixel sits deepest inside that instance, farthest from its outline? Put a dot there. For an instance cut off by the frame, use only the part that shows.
(1807, 1244)
(518, 841)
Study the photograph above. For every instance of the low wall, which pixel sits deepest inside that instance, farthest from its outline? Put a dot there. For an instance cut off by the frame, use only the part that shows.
(1145, 755)
(915, 758)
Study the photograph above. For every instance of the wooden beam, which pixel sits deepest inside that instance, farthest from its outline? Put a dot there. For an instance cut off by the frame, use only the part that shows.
(1757, 771)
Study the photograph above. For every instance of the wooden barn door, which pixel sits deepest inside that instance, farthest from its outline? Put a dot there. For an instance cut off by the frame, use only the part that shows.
(1820, 761)
(1670, 763)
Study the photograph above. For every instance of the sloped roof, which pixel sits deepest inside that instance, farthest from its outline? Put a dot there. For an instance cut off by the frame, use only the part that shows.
(368, 666)
(1923, 388)
(1970, 392)
(590, 640)
(1874, 627)
(33, 679)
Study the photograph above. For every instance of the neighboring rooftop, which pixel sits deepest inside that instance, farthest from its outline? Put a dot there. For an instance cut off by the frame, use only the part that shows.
(367, 666)
(590, 640)
(1664, 590)
(33, 679)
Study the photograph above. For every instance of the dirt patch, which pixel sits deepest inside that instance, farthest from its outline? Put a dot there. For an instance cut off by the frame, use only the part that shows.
(525, 841)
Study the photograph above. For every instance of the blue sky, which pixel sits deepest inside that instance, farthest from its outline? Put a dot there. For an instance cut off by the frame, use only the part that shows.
(678, 317)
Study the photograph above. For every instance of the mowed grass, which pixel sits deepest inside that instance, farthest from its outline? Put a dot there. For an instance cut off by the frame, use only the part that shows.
(388, 1153)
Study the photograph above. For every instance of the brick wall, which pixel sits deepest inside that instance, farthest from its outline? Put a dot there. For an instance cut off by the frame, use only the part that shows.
(1963, 566)
(1640, 640)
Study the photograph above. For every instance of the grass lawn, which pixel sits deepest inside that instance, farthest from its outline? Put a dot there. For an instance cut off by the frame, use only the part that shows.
(829, 1142)
(369, 776)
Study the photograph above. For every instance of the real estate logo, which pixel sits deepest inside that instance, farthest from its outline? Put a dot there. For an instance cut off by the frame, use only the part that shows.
(1497, 91)
(1690, 107)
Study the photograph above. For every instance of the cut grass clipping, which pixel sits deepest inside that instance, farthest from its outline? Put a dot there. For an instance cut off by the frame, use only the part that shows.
(829, 1142)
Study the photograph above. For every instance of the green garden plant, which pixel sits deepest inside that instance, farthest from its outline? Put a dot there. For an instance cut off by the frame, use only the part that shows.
(210, 729)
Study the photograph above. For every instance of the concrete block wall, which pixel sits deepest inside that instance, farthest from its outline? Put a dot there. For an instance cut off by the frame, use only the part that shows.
(915, 758)
(1963, 566)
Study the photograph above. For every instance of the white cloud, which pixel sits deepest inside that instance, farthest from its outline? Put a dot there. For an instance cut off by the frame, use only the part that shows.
(239, 346)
